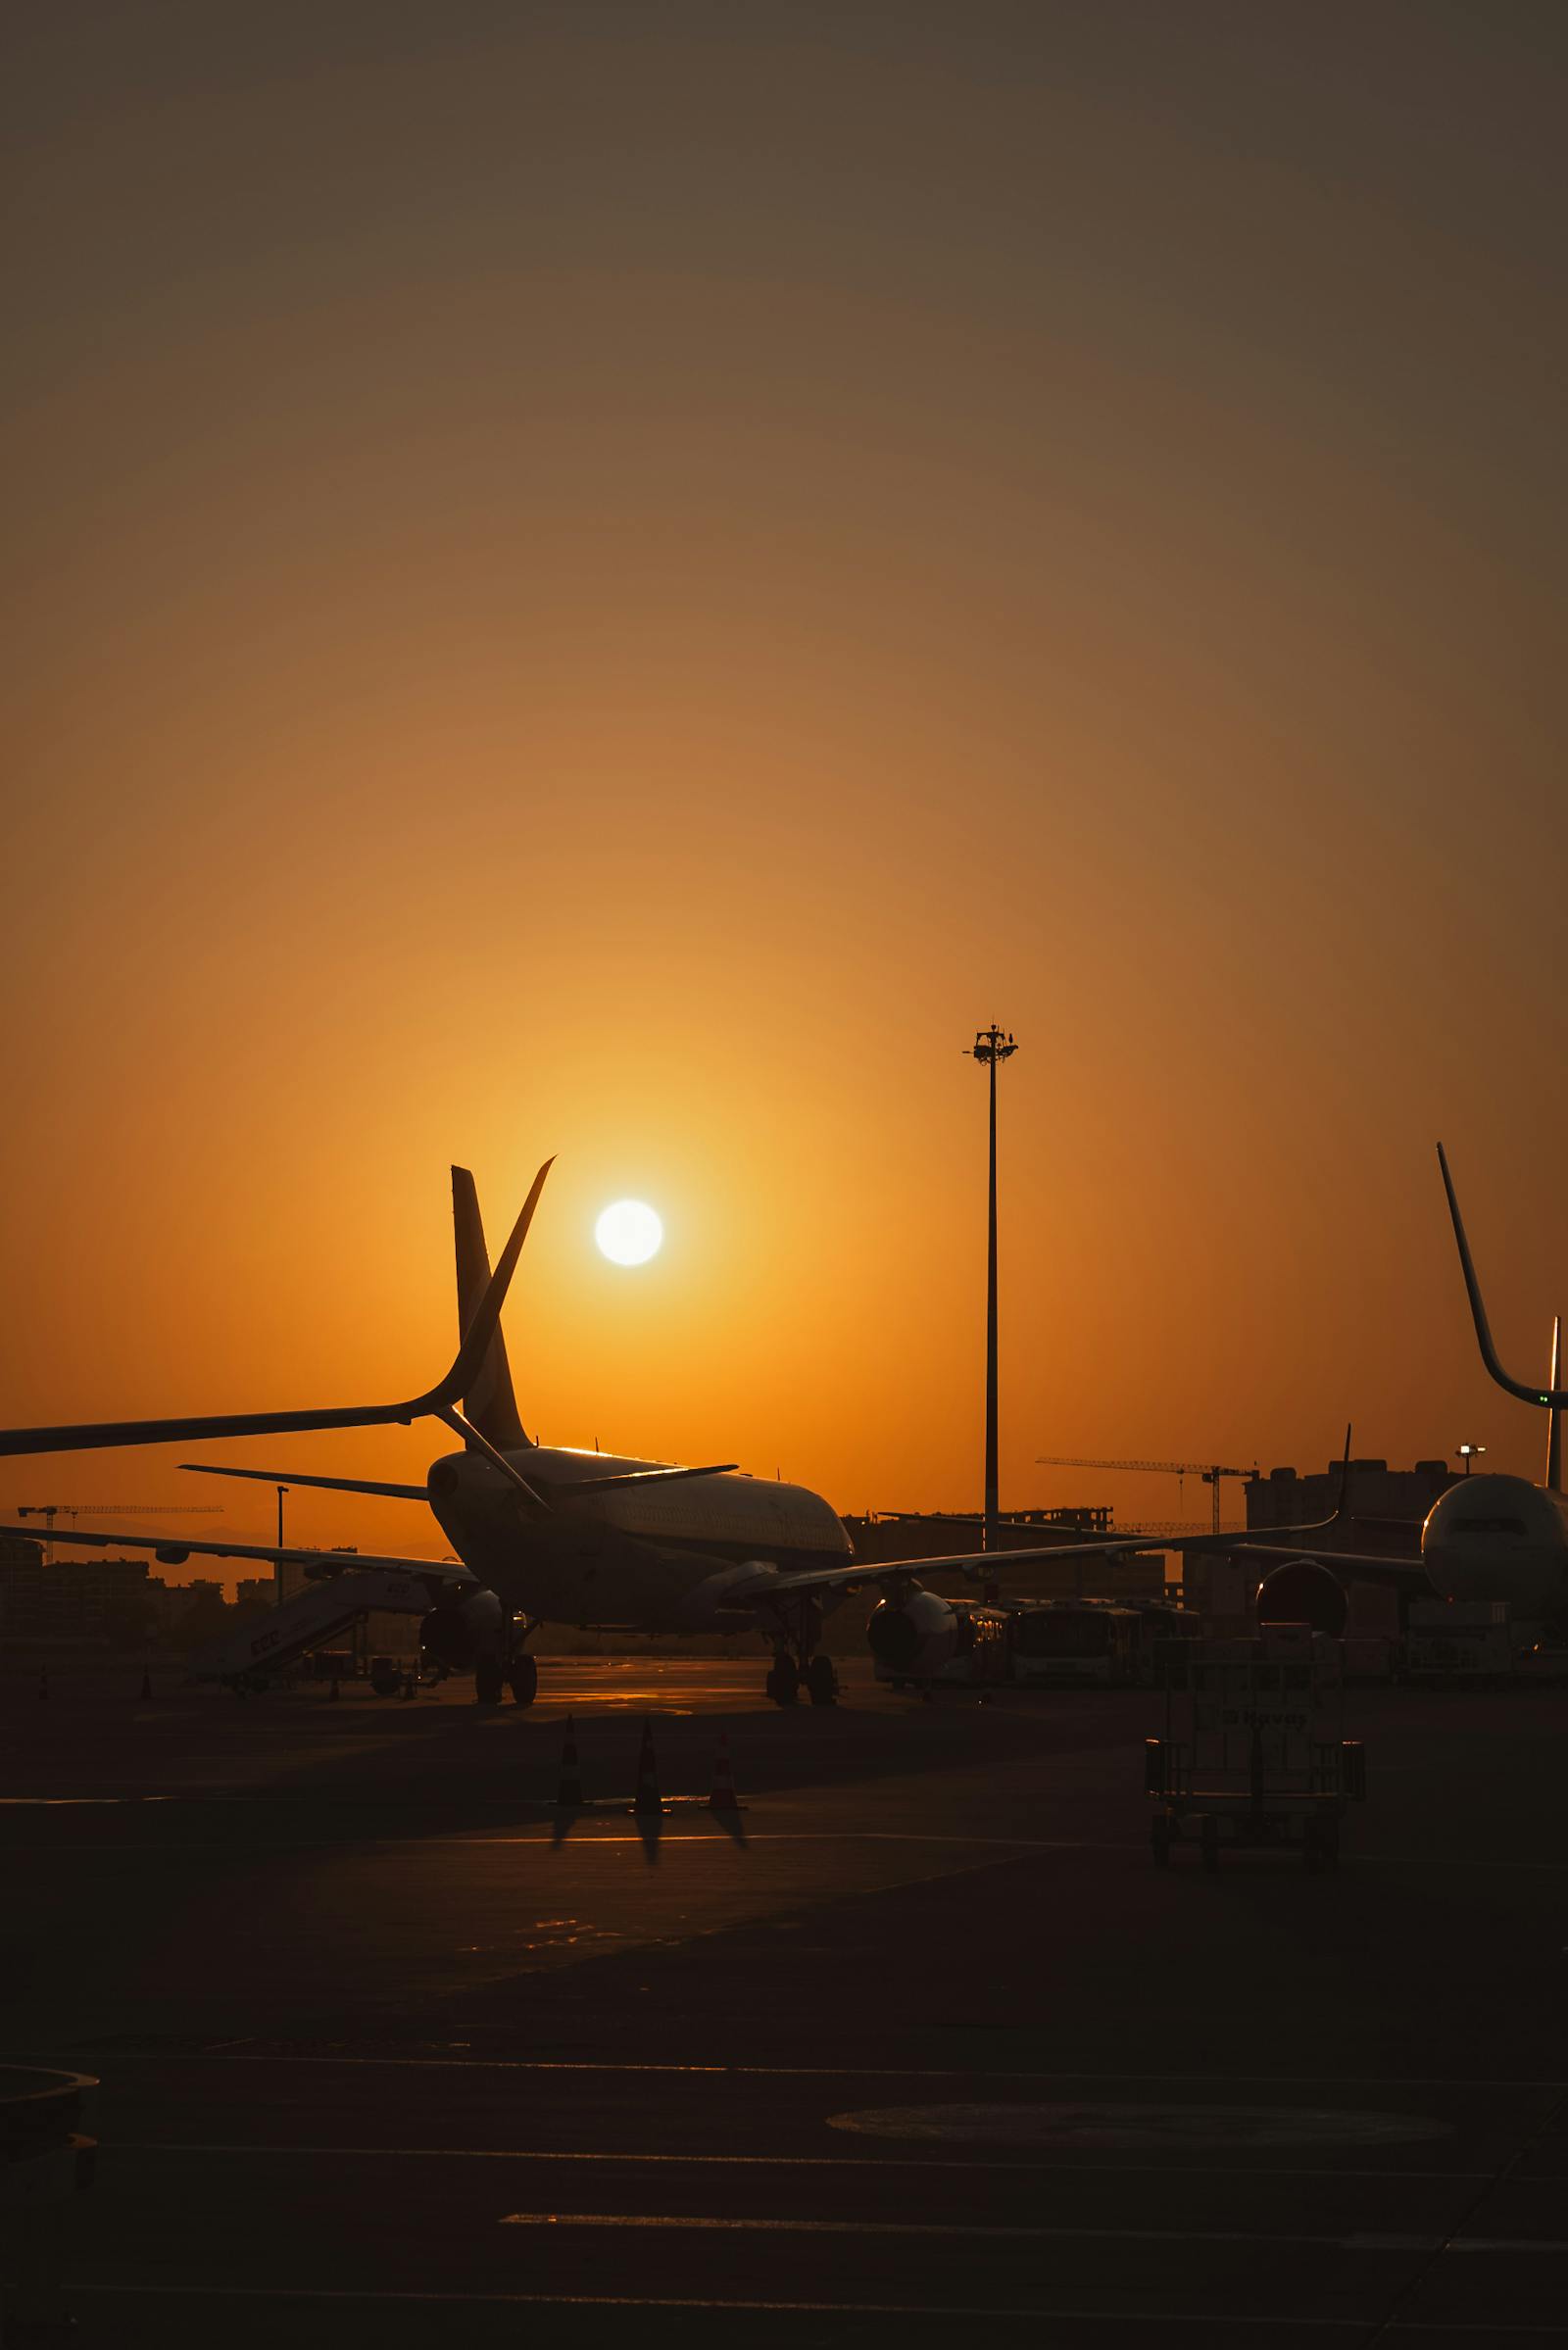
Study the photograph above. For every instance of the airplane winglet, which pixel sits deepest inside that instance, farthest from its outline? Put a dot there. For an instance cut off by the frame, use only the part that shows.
(1552, 1397)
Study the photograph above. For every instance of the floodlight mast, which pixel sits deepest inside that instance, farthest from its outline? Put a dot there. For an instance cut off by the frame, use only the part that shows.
(990, 1046)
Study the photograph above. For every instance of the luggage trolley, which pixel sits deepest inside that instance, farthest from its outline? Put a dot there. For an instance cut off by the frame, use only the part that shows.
(1253, 1751)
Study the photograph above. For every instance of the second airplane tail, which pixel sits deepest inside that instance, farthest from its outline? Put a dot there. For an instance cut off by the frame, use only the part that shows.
(490, 1402)
(1555, 1410)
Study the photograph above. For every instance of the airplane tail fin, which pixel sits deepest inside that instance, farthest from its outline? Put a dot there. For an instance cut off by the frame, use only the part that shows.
(490, 1402)
(1554, 1411)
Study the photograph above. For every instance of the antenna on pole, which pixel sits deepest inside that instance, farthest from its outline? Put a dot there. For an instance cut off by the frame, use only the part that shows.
(992, 1046)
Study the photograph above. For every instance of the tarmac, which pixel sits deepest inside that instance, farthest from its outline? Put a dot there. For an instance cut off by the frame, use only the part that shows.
(917, 2042)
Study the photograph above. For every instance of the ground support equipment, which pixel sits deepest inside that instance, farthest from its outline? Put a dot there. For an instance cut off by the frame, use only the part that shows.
(1253, 1751)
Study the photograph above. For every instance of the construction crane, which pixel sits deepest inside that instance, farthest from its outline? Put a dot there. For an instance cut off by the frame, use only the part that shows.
(50, 1510)
(1210, 1474)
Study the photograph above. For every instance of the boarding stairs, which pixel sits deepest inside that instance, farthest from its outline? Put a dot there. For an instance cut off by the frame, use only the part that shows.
(310, 1620)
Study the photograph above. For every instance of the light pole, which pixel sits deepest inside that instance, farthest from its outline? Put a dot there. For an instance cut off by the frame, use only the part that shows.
(1467, 1453)
(277, 1565)
(990, 1046)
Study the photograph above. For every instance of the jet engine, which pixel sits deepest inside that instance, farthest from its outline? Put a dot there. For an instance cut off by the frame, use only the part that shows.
(455, 1635)
(1301, 1592)
(913, 1638)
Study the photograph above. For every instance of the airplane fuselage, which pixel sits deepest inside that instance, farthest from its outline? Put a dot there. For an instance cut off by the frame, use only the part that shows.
(657, 1557)
(1501, 1537)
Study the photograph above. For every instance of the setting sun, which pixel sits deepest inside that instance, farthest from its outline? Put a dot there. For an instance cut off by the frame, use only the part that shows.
(629, 1233)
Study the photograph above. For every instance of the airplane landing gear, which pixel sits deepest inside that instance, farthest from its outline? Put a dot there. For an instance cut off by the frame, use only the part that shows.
(523, 1675)
(783, 1681)
(823, 1682)
(796, 1665)
(816, 1676)
(488, 1681)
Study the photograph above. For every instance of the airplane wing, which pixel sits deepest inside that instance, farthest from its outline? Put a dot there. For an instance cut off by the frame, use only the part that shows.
(438, 1401)
(974, 1565)
(174, 1551)
(1355, 1566)
(292, 1477)
(992, 1564)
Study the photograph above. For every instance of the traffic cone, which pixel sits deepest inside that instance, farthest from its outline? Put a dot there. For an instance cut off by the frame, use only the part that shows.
(724, 1797)
(649, 1800)
(568, 1788)
(146, 1681)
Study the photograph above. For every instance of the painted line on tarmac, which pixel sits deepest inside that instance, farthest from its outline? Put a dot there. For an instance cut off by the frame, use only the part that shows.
(1413, 2244)
(1487, 2332)
(775, 2162)
(1499, 2243)
(62, 1803)
(1119, 2123)
(584, 1838)
(976, 2071)
(737, 2308)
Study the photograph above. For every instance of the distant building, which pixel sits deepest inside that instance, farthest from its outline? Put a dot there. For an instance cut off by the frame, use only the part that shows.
(91, 1602)
(1388, 1508)
(883, 1535)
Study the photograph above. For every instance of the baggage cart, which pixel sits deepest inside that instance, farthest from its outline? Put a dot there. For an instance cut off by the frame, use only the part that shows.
(1253, 1751)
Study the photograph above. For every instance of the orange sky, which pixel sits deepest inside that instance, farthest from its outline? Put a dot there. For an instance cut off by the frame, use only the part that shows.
(617, 581)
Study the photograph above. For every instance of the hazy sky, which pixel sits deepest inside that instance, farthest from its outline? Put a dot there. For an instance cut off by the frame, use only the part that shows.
(617, 579)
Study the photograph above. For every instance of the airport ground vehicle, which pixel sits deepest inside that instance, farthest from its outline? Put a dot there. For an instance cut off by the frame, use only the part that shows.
(929, 1643)
(331, 1664)
(1096, 1640)
(1253, 1751)
(1449, 1640)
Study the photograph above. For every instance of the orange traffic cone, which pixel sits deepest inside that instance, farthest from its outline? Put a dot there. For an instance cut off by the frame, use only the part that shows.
(146, 1681)
(648, 1796)
(724, 1797)
(568, 1788)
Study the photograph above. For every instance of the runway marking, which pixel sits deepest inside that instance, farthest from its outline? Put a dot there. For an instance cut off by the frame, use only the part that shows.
(975, 2071)
(775, 2162)
(986, 2231)
(1172, 2127)
(1487, 2330)
(57, 1803)
(586, 1837)
(1499, 2243)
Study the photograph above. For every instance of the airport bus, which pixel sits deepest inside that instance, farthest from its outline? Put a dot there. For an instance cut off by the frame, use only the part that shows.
(1099, 1641)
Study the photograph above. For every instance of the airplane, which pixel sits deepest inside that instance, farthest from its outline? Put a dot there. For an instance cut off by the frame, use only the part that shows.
(547, 1534)
(1488, 1538)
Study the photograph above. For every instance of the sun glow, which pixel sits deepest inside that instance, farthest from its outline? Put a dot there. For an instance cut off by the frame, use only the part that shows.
(629, 1233)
